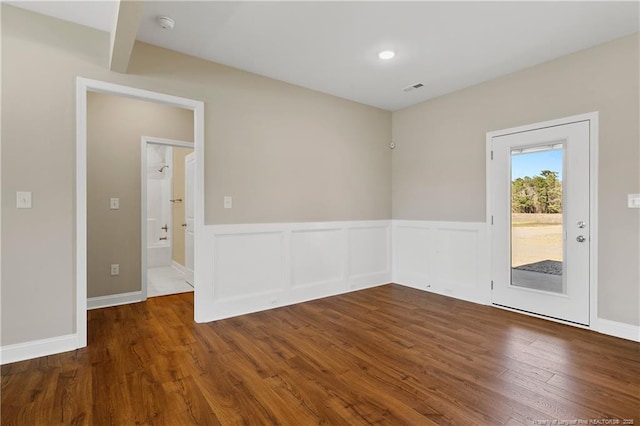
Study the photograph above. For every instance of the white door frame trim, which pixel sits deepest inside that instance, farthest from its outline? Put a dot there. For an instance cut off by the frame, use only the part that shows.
(83, 86)
(592, 118)
(143, 197)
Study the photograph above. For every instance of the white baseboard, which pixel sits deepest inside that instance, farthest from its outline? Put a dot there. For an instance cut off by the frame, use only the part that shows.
(618, 329)
(114, 300)
(55, 345)
(38, 348)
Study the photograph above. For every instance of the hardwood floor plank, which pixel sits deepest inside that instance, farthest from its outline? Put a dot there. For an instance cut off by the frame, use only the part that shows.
(73, 409)
(556, 397)
(385, 355)
(312, 398)
(624, 397)
(194, 408)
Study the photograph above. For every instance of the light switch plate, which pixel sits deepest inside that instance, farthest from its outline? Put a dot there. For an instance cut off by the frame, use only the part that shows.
(228, 202)
(633, 201)
(23, 199)
(114, 203)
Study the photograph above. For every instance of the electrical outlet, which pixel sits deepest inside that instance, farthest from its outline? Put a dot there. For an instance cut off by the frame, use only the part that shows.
(228, 202)
(115, 269)
(114, 203)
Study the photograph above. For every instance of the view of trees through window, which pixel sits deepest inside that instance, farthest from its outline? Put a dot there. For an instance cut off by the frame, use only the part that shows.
(538, 194)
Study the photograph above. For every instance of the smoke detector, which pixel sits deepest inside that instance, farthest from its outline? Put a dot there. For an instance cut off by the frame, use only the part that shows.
(166, 23)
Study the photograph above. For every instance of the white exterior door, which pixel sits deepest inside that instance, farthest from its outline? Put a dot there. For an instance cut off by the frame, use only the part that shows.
(189, 211)
(540, 229)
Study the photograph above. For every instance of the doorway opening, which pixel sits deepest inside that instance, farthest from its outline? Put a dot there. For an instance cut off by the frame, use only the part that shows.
(83, 88)
(167, 205)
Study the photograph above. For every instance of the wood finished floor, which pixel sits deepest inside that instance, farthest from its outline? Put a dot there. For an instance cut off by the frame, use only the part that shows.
(387, 355)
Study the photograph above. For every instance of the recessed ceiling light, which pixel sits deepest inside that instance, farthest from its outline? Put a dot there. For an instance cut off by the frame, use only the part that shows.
(386, 54)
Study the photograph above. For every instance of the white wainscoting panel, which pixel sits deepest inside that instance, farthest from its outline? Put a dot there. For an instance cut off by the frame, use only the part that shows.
(249, 263)
(449, 258)
(411, 253)
(457, 258)
(314, 258)
(254, 267)
(369, 255)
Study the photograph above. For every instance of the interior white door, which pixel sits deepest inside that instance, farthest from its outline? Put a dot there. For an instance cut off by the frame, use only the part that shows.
(189, 211)
(540, 260)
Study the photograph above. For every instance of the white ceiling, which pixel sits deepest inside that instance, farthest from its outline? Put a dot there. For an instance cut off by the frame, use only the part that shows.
(332, 46)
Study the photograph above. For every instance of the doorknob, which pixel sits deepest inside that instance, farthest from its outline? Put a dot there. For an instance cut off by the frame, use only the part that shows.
(580, 239)
(581, 224)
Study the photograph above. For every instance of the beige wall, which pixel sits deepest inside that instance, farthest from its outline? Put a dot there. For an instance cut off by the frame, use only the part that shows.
(283, 152)
(178, 208)
(115, 126)
(439, 162)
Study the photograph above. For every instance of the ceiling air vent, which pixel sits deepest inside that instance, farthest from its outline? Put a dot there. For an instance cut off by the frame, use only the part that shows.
(412, 87)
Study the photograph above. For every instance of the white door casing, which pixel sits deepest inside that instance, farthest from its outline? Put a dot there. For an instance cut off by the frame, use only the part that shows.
(575, 304)
(189, 210)
(83, 86)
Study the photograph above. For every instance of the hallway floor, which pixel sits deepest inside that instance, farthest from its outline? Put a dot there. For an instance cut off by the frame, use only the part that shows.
(166, 280)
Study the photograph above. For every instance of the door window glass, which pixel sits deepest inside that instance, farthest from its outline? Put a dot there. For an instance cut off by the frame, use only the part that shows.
(537, 248)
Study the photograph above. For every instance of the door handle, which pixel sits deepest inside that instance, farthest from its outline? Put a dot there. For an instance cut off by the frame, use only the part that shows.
(580, 239)
(165, 227)
(184, 225)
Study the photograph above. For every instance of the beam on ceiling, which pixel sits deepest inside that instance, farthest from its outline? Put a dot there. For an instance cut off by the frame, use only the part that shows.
(124, 34)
